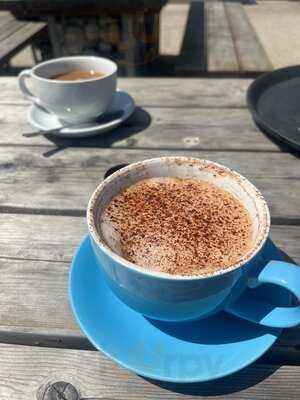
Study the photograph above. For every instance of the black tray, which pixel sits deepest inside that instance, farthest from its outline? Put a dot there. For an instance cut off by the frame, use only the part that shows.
(274, 102)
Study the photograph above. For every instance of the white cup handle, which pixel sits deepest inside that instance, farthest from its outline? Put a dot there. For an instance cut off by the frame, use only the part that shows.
(26, 73)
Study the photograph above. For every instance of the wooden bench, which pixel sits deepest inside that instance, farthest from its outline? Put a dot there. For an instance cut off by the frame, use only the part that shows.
(135, 22)
(218, 39)
(15, 34)
(232, 43)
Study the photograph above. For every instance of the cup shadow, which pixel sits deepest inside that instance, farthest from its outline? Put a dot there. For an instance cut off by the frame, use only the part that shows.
(233, 329)
(237, 382)
(207, 331)
(137, 122)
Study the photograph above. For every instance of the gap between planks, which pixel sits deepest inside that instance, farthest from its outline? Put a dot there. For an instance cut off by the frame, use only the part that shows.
(279, 353)
(115, 147)
(183, 106)
(43, 285)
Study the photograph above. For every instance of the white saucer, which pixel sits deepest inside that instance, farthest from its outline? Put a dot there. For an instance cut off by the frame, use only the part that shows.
(44, 121)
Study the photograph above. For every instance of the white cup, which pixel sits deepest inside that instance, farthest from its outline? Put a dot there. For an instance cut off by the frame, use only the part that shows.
(72, 101)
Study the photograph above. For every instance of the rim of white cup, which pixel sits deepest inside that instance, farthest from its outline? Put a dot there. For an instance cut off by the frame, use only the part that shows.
(265, 220)
(62, 59)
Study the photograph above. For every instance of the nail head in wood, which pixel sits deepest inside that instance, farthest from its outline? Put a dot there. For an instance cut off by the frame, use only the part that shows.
(59, 391)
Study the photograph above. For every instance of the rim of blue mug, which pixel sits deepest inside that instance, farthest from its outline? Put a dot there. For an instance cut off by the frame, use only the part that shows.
(74, 58)
(266, 222)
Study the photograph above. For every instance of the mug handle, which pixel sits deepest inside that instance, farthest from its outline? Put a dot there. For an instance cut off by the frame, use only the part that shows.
(26, 73)
(278, 273)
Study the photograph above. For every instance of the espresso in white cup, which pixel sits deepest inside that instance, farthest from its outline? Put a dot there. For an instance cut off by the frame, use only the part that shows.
(74, 101)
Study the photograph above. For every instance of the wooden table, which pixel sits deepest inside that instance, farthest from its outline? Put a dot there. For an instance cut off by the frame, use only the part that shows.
(45, 185)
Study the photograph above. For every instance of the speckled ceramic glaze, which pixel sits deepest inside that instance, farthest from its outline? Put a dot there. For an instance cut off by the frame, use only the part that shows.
(181, 298)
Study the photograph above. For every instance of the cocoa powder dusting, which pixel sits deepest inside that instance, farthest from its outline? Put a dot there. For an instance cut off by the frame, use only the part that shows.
(181, 227)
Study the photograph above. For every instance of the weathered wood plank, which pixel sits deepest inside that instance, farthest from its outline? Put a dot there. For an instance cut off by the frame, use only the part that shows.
(173, 18)
(35, 309)
(8, 26)
(25, 369)
(35, 253)
(40, 237)
(43, 237)
(5, 18)
(176, 92)
(192, 55)
(250, 52)
(19, 38)
(63, 182)
(221, 55)
(41, 295)
(160, 128)
(277, 25)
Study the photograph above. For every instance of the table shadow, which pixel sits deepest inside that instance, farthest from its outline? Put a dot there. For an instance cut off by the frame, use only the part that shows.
(137, 122)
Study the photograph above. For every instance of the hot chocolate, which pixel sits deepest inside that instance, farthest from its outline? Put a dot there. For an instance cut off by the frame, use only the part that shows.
(177, 226)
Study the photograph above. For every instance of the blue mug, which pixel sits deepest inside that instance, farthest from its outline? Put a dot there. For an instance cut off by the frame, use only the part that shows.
(175, 298)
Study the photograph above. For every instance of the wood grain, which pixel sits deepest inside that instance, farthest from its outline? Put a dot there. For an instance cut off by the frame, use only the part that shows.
(173, 92)
(35, 254)
(54, 238)
(25, 369)
(41, 295)
(19, 38)
(173, 18)
(221, 55)
(250, 52)
(193, 117)
(64, 181)
(42, 237)
(35, 250)
(8, 27)
(5, 18)
(169, 128)
(35, 310)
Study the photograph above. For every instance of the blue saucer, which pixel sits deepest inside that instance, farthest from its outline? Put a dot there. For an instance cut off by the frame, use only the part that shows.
(174, 352)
